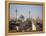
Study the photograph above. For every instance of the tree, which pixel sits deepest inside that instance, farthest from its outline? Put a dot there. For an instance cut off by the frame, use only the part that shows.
(29, 24)
(28, 21)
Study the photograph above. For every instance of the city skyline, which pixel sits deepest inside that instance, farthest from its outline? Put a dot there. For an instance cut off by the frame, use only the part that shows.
(34, 10)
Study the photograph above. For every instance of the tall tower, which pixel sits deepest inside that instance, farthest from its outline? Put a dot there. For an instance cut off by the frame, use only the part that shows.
(16, 13)
(29, 13)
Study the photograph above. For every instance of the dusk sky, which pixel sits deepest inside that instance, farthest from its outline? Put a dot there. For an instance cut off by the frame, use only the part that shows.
(35, 11)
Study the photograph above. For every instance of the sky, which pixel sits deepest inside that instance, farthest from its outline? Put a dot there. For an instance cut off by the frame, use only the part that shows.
(24, 10)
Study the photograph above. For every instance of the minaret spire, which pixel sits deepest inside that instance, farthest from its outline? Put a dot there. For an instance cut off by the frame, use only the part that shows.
(29, 13)
(16, 13)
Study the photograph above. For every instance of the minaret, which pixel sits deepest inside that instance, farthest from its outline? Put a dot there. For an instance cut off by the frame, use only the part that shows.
(16, 13)
(29, 13)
